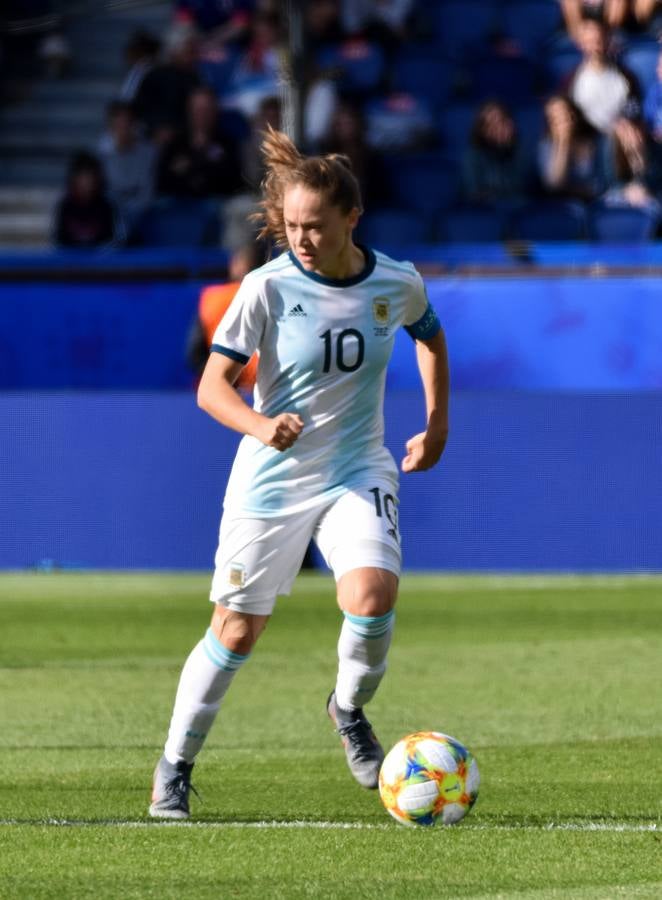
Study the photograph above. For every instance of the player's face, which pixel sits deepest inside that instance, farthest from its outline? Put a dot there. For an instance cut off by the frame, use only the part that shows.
(319, 234)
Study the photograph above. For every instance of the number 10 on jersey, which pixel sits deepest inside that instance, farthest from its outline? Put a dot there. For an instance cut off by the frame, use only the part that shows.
(349, 350)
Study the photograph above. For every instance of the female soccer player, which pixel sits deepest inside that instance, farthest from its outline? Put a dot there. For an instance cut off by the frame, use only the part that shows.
(312, 463)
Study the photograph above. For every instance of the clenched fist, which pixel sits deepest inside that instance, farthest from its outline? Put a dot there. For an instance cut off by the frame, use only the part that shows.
(281, 431)
(423, 451)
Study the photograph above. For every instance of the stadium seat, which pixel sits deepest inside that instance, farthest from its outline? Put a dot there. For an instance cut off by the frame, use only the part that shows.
(424, 76)
(422, 182)
(466, 226)
(216, 69)
(464, 27)
(621, 224)
(549, 221)
(234, 125)
(455, 126)
(357, 65)
(511, 79)
(530, 122)
(400, 122)
(171, 222)
(530, 23)
(386, 227)
(640, 59)
(560, 60)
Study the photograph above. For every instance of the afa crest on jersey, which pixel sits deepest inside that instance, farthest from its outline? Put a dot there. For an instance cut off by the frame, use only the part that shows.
(381, 310)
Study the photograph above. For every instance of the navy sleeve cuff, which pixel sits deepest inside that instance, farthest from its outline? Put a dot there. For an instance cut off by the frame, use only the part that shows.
(426, 327)
(226, 351)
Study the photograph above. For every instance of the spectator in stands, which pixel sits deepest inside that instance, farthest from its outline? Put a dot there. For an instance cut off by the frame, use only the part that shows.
(258, 73)
(347, 135)
(220, 21)
(600, 87)
(384, 21)
(84, 216)
(55, 54)
(611, 13)
(322, 24)
(495, 169)
(164, 91)
(252, 166)
(570, 162)
(141, 54)
(652, 108)
(128, 164)
(648, 14)
(201, 161)
(631, 15)
(634, 169)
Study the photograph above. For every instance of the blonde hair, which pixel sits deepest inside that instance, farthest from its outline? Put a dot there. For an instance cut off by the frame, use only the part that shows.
(331, 175)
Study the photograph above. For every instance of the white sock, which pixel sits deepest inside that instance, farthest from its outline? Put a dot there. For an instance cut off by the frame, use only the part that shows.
(362, 649)
(205, 678)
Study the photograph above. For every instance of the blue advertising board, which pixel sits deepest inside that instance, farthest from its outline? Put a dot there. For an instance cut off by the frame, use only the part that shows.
(529, 482)
(525, 333)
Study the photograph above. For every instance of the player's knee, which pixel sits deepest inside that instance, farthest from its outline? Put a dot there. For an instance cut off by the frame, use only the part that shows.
(368, 592)
(237, 631)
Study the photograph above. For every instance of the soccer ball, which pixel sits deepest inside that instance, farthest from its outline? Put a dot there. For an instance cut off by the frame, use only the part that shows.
(428, 777)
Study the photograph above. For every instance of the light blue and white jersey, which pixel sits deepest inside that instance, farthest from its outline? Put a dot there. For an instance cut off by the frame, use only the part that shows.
(323, 346)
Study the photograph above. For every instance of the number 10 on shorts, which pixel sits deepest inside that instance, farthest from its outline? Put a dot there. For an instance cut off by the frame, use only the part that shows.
(386, 507)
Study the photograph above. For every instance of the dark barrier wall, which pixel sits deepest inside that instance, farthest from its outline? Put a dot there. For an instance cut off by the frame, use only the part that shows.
(529, 333)
(529, 481)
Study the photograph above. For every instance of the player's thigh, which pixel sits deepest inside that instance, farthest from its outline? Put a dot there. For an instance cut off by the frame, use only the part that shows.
(360, 541)
(258, 559)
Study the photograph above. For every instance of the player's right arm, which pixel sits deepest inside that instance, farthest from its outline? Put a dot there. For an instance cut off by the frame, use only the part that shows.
(218, 397)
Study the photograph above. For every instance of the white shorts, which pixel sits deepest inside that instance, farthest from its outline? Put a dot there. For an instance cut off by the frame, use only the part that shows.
(258, 559)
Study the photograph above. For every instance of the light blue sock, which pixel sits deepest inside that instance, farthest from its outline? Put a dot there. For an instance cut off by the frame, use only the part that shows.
(204, 681)
(362, 649)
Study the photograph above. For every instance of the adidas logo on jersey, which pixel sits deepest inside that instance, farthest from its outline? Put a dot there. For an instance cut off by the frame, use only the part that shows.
(297, 310)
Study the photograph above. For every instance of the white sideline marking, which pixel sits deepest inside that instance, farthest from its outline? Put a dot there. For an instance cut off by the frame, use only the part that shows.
(337, 826)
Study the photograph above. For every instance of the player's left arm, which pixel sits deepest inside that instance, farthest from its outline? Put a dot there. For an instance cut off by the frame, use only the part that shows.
(424, 449)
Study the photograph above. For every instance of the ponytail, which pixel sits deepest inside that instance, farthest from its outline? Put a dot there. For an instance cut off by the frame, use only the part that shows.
(285, 167)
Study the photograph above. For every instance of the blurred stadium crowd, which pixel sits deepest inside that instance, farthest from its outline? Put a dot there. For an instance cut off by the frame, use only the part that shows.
(466, 120)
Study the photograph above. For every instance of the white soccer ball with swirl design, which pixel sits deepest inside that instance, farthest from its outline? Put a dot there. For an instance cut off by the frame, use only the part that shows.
(428, 778)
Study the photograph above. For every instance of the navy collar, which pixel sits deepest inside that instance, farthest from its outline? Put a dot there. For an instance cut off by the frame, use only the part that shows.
(370, 263)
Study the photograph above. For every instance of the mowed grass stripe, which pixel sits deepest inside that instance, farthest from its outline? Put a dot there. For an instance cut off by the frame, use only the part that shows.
(550, 681)
(64, 584)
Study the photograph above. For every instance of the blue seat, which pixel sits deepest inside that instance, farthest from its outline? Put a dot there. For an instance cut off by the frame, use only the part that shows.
(624, 224)
(512, 79)
(455, 126)
(234, 125)
(357, 65)
(531, 23)
(218, 69)
(560, 60)
(470, 225)
(640, 58)
(174, 222)
(400, 122)
(386, 227)
(463, 27)
(530, 122)
(422, 182)
(550, 221)
(425, 76)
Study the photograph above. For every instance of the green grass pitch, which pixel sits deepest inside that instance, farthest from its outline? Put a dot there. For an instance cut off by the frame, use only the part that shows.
(554, 683)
